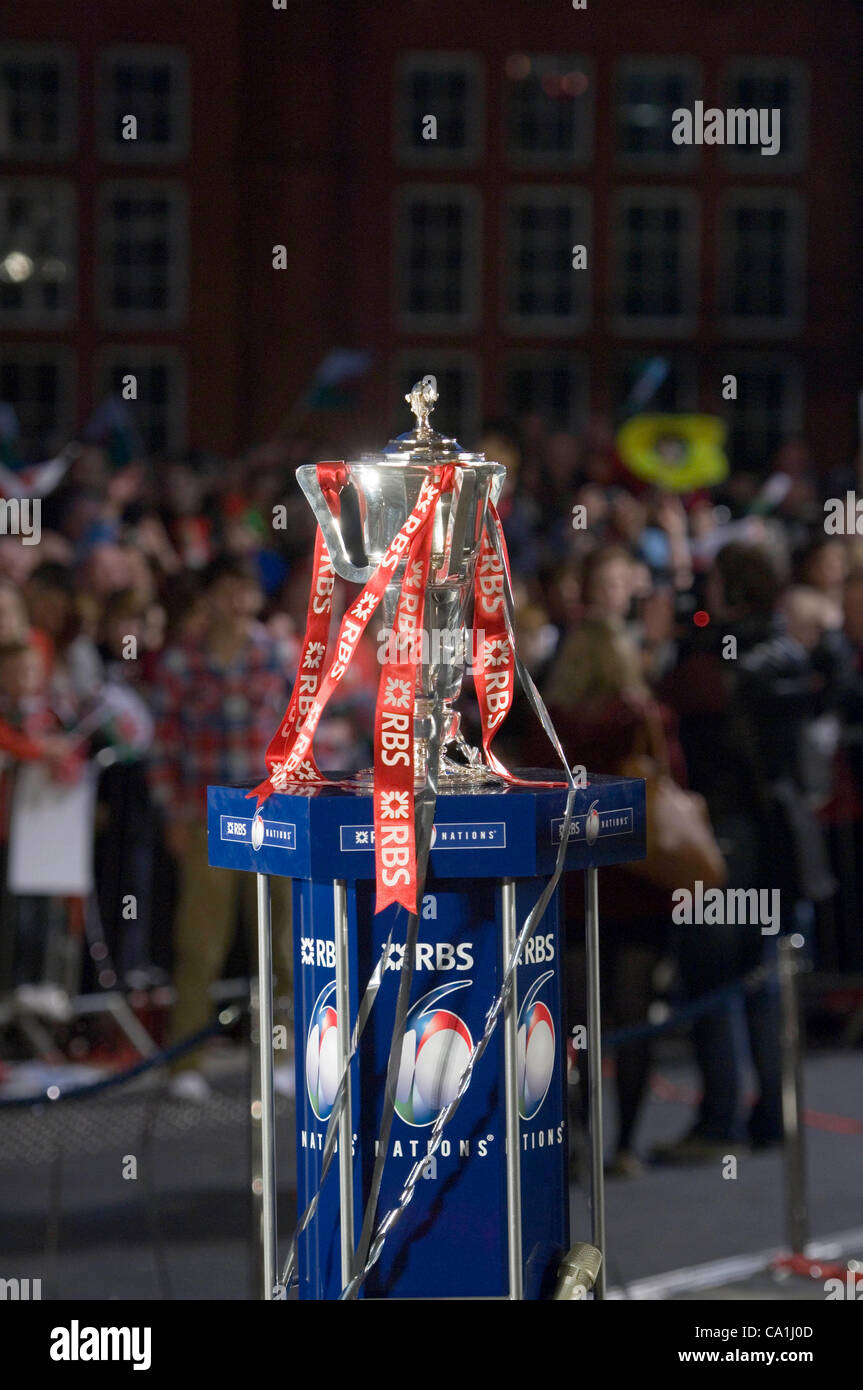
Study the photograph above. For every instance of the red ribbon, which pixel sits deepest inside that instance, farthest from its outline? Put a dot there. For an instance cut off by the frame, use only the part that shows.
(289, 755)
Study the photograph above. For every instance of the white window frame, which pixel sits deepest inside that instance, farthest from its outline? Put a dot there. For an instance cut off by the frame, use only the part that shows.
(748, 359)
(430, 154)
(582, 155)
(415, 363)
(684, 157)
(135, 360)
(658, 325)
(548, 325)
(66, 215)
(67, 383)
(66, 60)
(577, 364)
(175, 315)
(788, 160)
(113, 148)
(470, 200)
(746, 326)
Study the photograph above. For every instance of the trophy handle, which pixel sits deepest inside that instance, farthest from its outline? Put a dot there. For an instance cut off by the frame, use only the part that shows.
(343, 534)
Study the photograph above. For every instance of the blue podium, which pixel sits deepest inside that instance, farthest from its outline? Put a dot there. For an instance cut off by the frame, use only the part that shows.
(490, 1217)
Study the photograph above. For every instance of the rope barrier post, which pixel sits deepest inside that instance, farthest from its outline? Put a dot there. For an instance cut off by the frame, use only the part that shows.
(796, 1214)
(267, 1102)
(513, 1128)
(594, 1071)
(343, 1036)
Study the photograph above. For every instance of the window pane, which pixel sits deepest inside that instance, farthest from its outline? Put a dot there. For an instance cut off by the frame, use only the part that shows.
(655, 251)
(649, 91)
(143, 254)
(762, 261)
(549, 109)
(38, 382)
(768, 84)
(437, 246)
(551, 385)
(160, 409)
(544, 293)
(38, 101)
(151, 84)
(768, 409)
(450, 88)
(37, 252)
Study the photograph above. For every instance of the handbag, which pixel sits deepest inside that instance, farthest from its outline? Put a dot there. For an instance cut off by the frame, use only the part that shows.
(681, 846)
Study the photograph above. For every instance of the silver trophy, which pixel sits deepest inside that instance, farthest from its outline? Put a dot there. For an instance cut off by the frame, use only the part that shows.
(380, 493)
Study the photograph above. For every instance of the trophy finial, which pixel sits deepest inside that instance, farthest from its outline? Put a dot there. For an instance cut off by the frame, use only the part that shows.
(421, 399)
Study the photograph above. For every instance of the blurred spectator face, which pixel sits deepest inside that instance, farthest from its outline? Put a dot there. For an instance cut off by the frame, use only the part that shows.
(107, 570)
(13, 615)
(826, 567)
(596, 503)
(233, 601)
(183, 490)
(805, 615)
(854, 610)
(17, 561)
(22, 674)
(609, 589)
(628, 516)
(50, 607)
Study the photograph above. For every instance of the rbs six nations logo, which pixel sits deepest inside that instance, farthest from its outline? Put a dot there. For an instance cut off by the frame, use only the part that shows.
(535, 1049)
(322, 1054)
(435, 1052)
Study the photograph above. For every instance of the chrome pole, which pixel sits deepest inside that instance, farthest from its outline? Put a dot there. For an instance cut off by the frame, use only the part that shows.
(797, 1217)
(594, 1071)
(265, 1061)
(513, 1128)
(343, 1038)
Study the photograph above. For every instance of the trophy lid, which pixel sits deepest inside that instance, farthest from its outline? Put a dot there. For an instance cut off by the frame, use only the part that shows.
(423, 444)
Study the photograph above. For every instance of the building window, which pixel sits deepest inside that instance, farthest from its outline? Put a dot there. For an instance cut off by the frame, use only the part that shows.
(437, 257)
(159, 410)
(655, 259)
(38, 101)
(648, 92)
(37, 253)
(762, 262)
(450, 88)
(642, 382)
(39, 383)
(769, 407)
(456, 414)
(543, 292)
(550, 100)
(765, 85)
(151, 84)
(143, 254)
(552, 385)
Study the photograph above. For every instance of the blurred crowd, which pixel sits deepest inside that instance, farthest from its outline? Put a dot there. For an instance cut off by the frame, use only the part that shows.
(150, 641)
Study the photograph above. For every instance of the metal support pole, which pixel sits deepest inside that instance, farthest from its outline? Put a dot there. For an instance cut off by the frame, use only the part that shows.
(796, 1214)
(343, 1038)
(513, 1128)
(594, 1071)
(268, 1109)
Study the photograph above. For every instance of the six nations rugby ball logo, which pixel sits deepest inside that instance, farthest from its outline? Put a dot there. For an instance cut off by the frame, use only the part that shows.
(535, 1050)
(322, 1054)
(435, 1052)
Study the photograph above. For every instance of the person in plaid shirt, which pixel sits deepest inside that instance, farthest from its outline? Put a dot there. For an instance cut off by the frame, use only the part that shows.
(217, 702)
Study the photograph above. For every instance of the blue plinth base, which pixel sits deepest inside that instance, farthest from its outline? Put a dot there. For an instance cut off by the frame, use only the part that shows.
(452, 1241)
